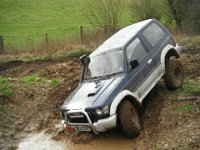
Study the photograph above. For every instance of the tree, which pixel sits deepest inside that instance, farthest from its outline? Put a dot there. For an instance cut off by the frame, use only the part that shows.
(179, 9)
(104, 14)
(186, 14)
(192, 19)
(146, 9)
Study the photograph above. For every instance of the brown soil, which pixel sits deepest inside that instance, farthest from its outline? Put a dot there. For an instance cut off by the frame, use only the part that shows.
(167, 122)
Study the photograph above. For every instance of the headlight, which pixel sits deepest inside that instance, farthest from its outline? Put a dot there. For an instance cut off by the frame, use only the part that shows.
(98, 111)
(102, 111)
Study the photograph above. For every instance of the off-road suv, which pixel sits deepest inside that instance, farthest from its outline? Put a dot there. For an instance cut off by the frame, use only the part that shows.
(118, 75)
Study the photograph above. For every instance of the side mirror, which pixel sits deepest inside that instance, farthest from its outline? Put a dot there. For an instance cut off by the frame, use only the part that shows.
(134, 64)
(85, 59)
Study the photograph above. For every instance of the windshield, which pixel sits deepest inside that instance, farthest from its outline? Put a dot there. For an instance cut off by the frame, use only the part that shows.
(105, 64)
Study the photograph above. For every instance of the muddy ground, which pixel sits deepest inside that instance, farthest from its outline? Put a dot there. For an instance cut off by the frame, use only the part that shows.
(31, 119)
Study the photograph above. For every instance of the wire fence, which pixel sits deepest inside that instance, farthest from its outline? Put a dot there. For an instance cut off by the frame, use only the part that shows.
(46, 40)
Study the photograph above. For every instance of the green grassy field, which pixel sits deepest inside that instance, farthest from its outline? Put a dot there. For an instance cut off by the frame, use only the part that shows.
(25, 21)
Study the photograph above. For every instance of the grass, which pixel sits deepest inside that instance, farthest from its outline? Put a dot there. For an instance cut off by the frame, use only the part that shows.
(76, 53)
(72, 51)
(72, 54)
(184, 106)
(191, 86)
(32, 19)
(54, 83)
(188, 107)
(25, 22)
(29, 80)
(188, 40)
(37, 58)
(6, 87)
(61, 56)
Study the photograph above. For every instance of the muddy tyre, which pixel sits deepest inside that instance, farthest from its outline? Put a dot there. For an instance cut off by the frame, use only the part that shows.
(129, 119)
(174, 74)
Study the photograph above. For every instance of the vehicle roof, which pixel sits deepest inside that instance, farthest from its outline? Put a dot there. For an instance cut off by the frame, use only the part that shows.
(121, 38)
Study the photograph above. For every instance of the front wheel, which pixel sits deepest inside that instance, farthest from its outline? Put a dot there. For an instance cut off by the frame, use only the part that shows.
(174, 74)
(129, 119)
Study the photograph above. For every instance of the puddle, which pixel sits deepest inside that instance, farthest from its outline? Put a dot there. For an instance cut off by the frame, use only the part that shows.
(41, 141)
(105, 144)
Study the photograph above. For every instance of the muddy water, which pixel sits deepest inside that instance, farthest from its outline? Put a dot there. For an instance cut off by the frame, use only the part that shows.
(113, 140)
(41, 141)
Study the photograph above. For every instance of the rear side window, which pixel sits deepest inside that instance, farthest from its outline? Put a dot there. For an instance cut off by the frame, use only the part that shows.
(135, 51)
(153, 34)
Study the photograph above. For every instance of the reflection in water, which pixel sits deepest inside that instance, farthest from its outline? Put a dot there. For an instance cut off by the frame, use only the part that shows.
(112, 140)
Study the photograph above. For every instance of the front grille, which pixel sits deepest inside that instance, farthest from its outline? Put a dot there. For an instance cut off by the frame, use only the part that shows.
(92, 116)
(77, 118)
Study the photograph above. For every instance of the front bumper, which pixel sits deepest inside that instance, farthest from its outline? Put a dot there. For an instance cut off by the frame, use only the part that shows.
(104, 124)
(100, 126)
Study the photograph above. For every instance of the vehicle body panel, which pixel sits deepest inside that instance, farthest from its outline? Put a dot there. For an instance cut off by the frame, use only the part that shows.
(97, 95)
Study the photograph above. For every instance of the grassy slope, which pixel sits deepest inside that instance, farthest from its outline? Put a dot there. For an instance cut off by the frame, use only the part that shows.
(21, 19)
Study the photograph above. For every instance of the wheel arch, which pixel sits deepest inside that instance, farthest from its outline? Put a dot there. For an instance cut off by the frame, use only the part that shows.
(168, 52)
(126, 94)
(172, 52)
(132, 100)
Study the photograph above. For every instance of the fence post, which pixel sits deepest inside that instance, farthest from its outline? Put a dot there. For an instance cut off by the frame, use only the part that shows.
(46, 40)
(32, 44)
(47, 46)
(1, 44)
(97, 38)
(81, 33)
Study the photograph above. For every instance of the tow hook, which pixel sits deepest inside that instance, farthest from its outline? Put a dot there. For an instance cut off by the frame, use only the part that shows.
(69, 128)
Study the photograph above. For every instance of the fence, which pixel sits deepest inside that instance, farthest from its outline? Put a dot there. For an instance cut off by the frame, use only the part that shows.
(92, 37)
(84, 35)
(1, 45)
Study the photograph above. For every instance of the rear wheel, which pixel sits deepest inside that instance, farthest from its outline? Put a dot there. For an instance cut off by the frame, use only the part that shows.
(174, 74)
(129, 119)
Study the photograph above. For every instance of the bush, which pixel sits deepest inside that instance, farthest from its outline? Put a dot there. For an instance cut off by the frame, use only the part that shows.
(146, 9)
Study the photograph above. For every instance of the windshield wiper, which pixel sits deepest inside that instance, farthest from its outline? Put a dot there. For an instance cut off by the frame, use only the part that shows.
(113, 74)
(96, 77)
(106, 76)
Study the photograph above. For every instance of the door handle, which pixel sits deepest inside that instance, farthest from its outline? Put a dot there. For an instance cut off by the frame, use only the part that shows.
(150, 61)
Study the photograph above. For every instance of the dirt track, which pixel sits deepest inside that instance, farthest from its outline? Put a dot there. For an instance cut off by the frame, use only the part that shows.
(167, 121)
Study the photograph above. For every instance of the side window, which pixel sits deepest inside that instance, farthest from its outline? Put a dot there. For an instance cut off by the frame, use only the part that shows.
(153, 34)
(135, 51)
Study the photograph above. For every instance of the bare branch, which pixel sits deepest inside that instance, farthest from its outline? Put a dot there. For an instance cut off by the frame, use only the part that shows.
(104, 14)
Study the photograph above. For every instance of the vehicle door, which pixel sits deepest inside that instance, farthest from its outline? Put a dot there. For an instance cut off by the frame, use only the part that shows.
(137, 76)
(155, 39)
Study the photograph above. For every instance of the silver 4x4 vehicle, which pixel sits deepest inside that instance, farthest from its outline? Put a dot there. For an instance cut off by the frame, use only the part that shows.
(118, 75)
